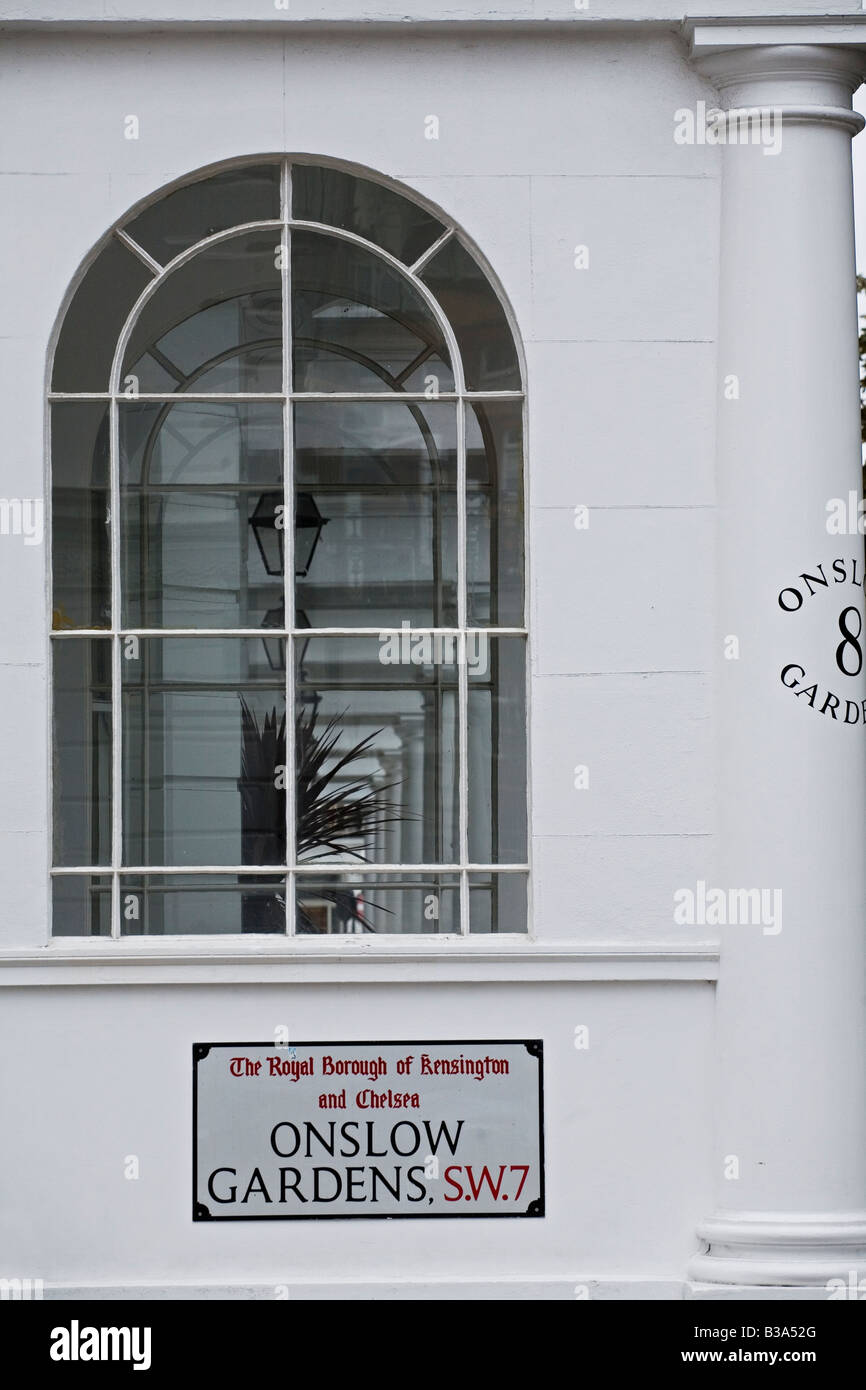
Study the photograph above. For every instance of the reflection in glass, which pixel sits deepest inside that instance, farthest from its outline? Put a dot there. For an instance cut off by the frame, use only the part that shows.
(377, 756)
(203, 744)
(477, 318)
(82, 750)
(385, 476)
(80, 549)
(359, 325)
(494, 514)
(215, 323)
(81, 904)
(94, 319)
(198, 210)
(497, 903)
(343, 904)
(368, 209)
(206, 904)
(267, 522)
(497, 748)
(191, 478)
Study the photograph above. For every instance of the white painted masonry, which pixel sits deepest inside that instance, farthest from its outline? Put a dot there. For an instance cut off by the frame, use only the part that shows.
(704, 261)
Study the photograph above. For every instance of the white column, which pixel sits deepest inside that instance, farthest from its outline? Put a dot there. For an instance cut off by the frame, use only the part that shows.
(790, 1149)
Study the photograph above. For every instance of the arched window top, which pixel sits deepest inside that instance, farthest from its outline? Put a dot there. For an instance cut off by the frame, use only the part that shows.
(386, 295)
(288, 585)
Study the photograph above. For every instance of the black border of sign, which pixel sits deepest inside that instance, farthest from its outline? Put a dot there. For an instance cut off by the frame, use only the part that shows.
(535, 1048)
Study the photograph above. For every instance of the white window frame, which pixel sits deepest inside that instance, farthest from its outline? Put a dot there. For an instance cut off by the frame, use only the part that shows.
(283, 227)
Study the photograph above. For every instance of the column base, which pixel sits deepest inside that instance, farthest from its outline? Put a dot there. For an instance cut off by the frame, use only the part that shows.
(770, 1293)
(779, 1249)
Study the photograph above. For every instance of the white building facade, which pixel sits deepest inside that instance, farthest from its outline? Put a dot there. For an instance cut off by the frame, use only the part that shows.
(539, 319)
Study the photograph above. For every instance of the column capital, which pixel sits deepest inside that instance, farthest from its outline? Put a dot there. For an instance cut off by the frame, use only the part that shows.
(707, 37)
(803, 82)
(783, 61)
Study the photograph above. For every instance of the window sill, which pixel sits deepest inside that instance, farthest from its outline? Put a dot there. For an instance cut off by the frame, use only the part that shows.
(191, 960)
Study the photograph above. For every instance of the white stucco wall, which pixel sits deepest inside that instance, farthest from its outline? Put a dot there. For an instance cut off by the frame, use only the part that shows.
(624, 1167)
(252, 12)
(615, 354)
(545, 144)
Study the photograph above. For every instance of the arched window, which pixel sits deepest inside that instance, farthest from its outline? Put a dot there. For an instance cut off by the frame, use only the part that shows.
(287, 556)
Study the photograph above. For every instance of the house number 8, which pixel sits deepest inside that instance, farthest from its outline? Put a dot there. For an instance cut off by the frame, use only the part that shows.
(850, 641)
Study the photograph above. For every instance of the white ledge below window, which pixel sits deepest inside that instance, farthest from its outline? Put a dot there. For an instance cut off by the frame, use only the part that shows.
(422, 961)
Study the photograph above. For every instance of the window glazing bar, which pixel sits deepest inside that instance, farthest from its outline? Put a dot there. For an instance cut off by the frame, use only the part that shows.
(431, 251)
(144, 256)
(300, 867)
(289, 536)
(116, 672)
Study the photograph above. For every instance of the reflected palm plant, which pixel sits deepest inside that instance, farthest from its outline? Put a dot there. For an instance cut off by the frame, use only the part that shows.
(334, 811)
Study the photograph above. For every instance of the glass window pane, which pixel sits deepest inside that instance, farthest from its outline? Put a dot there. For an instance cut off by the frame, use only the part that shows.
(477, 318)
(358, 325)
(368, 209)
(204, 750)
(82, 750)
(377, 751)
(494, 514)
(80, 540)
(94, 319)
(497, 748)
(497, 903)
(81, 905)
(192, 476)
(202, 546)
(361, 904)
(202, 905)
(198, 210)
(215, 323)
(377, 482)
